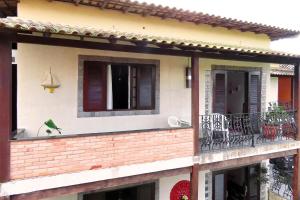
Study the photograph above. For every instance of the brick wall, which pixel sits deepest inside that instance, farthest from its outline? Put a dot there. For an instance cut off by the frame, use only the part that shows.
(72, 154)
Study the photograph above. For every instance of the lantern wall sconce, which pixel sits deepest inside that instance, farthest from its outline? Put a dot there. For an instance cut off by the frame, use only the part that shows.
(188, 77)
(50, 82)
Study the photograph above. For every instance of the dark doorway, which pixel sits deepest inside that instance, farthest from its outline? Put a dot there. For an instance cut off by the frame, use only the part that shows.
(237, 184)
(141, 192)
(236, 91)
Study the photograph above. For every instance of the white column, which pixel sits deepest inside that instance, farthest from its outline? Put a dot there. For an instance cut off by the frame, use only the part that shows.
(129, 86)
(109, 102)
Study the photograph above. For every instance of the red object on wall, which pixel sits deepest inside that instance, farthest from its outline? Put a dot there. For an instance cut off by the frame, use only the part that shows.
(285, 89)
(180, 189)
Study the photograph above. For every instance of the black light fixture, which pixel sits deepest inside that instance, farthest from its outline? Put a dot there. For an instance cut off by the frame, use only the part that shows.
(188, 75)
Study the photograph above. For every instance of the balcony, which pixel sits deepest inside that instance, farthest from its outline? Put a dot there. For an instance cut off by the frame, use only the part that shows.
(44, 156)
(220, 132)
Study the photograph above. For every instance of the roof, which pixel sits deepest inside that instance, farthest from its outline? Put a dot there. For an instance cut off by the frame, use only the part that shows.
(28, 26)
(144, 9)
(8, 8)
(283, 70)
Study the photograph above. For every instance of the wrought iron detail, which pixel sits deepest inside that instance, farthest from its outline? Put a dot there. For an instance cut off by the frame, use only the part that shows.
(246, 129)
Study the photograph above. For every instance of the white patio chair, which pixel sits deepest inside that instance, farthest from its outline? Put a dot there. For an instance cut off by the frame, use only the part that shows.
(219, 122)
(175, 122)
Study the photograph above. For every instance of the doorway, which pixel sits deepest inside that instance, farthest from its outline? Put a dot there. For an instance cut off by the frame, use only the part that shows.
(237, 184)
(236, 91)
(139, 192)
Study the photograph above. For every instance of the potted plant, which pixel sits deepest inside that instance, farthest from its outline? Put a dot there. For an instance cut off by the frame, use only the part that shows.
(273, 120)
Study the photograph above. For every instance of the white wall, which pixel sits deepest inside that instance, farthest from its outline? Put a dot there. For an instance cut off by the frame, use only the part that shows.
(273, 97)
(65, 197)
(166, 184)
(36, 105)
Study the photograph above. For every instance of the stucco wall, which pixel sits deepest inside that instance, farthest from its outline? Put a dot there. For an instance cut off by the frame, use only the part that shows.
(166, 184)
(36, 105)
(273, 89)
(62, 13)
(66, 197)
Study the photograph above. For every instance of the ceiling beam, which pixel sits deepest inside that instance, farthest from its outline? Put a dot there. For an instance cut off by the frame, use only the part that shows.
(200, 51)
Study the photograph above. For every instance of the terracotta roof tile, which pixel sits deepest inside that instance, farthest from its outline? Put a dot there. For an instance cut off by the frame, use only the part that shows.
(145, 9)
(20, 25)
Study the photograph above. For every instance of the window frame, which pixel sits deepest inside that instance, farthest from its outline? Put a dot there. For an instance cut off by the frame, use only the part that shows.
(117, 60)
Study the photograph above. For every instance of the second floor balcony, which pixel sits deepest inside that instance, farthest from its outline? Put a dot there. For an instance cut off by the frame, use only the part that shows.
(220, 132)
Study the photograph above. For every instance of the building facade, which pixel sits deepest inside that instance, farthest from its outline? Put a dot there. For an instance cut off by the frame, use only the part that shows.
(124, 100)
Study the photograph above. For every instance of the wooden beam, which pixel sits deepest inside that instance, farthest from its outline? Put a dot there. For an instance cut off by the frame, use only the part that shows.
(201, 52)
(88, 187)
(296, 179)
(296, 100)
(226, 164)
(195, 102)
(6, 105)
(194, 176)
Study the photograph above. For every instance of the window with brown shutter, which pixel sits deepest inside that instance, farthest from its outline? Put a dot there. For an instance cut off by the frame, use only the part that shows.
(220, 88)
(132, 86)
(94, 86)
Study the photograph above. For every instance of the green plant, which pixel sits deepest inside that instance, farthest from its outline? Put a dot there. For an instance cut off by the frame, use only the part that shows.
(274, 114)
(51, 126)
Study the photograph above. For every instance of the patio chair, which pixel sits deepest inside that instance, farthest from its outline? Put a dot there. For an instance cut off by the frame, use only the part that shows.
(219, 130)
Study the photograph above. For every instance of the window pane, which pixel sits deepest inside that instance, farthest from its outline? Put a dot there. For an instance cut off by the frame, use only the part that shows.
(120, 86)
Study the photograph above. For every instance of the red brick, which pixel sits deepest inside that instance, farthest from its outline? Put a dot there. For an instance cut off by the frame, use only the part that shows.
(55, 156)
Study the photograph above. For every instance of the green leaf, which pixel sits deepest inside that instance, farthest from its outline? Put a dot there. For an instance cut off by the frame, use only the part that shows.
(51, 124)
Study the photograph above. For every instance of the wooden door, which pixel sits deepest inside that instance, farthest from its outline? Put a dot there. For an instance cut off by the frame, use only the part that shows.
(220, 91)
(254, 91)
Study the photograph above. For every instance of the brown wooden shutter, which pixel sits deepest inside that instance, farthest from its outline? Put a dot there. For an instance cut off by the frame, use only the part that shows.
(94, 86)
(254, 91)
(145, 86)
(133, 87)
(220, 91)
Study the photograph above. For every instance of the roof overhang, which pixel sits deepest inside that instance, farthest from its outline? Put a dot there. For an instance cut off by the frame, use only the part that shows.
(27, 31)
(8, 8)
(283, 70)
(144, 9)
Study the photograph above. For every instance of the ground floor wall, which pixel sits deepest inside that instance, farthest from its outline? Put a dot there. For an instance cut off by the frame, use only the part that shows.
(165, 185)
(163, 188)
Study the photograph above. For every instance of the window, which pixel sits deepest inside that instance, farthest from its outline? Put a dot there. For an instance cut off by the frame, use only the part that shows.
(118, 86)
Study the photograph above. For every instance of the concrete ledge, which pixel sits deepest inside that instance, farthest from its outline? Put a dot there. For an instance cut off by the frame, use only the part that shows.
(88, 176)
(224, 155)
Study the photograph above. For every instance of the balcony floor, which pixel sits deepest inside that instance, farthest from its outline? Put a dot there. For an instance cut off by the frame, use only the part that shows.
(248, 151)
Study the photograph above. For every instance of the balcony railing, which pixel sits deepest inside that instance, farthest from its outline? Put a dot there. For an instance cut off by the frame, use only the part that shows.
(246, 129)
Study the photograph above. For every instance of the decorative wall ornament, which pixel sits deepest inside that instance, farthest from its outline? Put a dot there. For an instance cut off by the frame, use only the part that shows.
(50, 82)
(181, 191)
